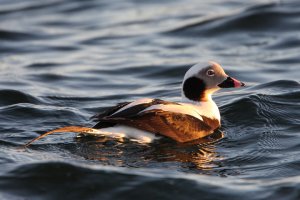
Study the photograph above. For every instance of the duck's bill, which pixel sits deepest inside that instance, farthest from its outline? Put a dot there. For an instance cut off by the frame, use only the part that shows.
(231, 83)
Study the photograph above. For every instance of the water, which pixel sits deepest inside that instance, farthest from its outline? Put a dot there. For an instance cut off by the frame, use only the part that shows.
(63, 61)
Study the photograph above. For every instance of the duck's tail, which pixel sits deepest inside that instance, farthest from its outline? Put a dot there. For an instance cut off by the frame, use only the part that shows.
(74, 129)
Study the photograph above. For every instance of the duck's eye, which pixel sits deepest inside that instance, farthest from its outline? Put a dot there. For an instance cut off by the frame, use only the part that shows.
(210, 72)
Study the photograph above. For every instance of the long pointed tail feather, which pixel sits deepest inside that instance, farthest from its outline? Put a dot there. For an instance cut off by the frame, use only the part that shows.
(74, 129)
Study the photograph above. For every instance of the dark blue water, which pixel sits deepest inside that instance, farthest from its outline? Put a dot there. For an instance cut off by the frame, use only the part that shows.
(63, 61)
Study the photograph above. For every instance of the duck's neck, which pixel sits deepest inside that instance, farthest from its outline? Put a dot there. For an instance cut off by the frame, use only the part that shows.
(205, 107)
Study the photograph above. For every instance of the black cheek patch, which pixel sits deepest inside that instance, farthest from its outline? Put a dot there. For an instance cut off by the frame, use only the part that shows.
(194, 88)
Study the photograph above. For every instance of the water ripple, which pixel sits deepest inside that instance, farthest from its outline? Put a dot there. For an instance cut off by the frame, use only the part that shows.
(63, 61)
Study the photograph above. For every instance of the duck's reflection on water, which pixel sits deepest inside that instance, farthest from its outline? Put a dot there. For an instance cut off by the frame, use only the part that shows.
(199, 154)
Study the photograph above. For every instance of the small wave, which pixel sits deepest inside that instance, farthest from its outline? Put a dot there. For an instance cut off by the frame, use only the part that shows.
(105, 39)
(21, 7)
(260, 109)
(286, 43)
(49, 77)
(259, 124)
(43, 65)
(167, 72)
(261, 18)
(16, 36)
(36, 180)
(268, 107)
(279, 84)
(280, 87)
(37, 113)
(10, 97)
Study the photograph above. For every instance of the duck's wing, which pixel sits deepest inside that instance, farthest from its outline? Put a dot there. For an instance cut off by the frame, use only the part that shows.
(108, 112)
(170, 119)
(126, 109)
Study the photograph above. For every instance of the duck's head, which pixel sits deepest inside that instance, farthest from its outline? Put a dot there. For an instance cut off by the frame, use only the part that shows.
(202, 80)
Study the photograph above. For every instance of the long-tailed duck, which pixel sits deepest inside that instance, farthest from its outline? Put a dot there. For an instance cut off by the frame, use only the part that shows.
(195, 117)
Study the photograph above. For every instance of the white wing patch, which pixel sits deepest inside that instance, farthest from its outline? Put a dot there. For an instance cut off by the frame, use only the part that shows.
(134, 103)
